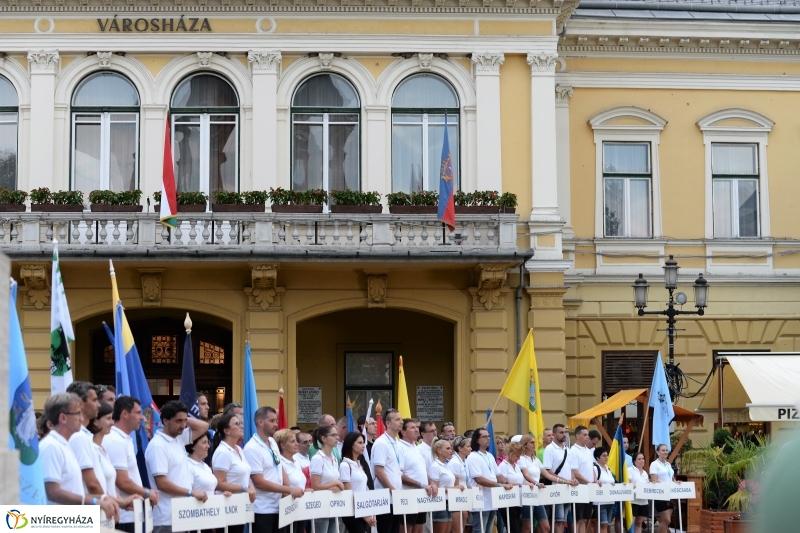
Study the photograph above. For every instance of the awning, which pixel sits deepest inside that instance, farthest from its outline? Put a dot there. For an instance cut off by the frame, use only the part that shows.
(620, 400)
(734, 397)
(771, 381)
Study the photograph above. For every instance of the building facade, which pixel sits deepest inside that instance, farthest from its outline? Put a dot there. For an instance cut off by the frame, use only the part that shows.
(626, 136)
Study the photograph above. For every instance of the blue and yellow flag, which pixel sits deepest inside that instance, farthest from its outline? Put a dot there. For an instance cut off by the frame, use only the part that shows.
(522, 387)
(616, 462)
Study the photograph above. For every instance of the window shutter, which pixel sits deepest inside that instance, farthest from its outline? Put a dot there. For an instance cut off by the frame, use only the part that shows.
(627, 370)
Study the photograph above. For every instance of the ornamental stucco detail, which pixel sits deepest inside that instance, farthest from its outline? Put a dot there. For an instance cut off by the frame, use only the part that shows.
(425, 61)
(43, 61)
(376, 290)
(542, 63)
(487, 62)
(103, 59)
(563, 94)
(490, 291)
(36, 292)
(264, 291)
(264, 61)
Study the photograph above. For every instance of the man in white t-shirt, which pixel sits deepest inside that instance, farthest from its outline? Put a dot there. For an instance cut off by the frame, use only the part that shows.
(119, 447)
(303, 445)
(387, 455)
(81, 442)
(63, 482)
(264, 458)
(556, 469)
(427, 431)
(414, 471)
(581, 462)
(167, 462)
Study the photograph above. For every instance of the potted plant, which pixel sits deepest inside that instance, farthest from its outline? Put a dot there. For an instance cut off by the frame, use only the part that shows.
(477, 203)
(246, 202)
(416, 203)
(508, 203)
(60, 202)
(104, 201)
(350, 201)
(12, 201)
(188, 202)
(288, 201)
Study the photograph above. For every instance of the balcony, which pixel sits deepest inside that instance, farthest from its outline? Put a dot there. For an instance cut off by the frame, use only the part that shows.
(234, 236)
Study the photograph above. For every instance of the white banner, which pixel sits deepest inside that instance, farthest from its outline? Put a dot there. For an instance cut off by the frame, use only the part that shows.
(528, 496)
(148, 517)
(653, 491)
(599, 494)
(502, 498)
(427, 504)
(138, 516)
(341, 503)
(477, 498)
(314, 505)
(621, 492)
(404, 502)
(554, 494)
(579, 494)
(372, 502)
(105, 521)
(683, 491)
(239, 510)
(459, 500)
(190, 514)
(287, 511)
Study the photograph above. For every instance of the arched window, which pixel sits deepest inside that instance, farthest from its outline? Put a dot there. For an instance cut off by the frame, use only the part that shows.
(105, 134)
(205, 134)
(9, 111)
(420, 106)
(325, 137)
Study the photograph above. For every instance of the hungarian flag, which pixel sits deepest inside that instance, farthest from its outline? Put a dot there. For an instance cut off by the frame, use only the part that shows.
(447, 207)
(380, 429)
(169, 202)
(61, 333)
(282, 422)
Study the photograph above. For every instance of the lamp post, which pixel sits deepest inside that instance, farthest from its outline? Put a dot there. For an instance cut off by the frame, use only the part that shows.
(640, 288)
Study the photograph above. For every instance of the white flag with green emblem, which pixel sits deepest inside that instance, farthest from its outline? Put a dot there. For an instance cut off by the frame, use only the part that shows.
(61, 333)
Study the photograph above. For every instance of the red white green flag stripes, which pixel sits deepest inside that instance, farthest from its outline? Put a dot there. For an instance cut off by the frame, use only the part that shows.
(61, 333)
(169, 202)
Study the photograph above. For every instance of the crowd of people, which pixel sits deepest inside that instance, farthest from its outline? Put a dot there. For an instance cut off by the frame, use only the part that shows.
(88, 458)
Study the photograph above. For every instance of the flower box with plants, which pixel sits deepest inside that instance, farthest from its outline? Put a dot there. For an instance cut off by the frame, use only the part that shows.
(115, 202)
(188, 202)
(350, 201)
(12, 201)
(288, 201)
(508, 203)
(235, 202)
(477, 203)
(416, 203)
(59, 202)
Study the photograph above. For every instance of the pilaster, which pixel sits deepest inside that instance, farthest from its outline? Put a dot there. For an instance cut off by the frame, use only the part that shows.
(42, 67)
(33, 298)
(487, 92)
(264, 324)
(265, 66)
(543, 137)
(563, 95)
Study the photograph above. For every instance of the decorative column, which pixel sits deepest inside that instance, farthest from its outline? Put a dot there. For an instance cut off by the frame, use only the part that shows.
(265, 66)
(487, 91)
(489, 344)
(563, 94)
(42, 68)
(265, 325)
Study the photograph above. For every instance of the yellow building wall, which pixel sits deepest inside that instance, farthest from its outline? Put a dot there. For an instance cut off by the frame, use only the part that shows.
(515, 123)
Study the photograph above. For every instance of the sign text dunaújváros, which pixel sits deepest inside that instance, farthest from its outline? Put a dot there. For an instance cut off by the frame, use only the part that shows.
(161, 25)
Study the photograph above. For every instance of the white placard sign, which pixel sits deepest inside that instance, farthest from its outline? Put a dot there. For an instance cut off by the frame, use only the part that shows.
(579, 494)
(287, 511)
(683, 491)
(309, 404)
(477, 498)
(105, 521)
(190, 514)
(554, 494)
(372, 503)
(138, 516)
(426, 504)
(405, 501)
(653, 491)
(621, 492)
(599, 494)
(341, 503)
(459, 500)
(430, 403)
(314, 505)
(502, 498)
(239, 510)
(148, 517)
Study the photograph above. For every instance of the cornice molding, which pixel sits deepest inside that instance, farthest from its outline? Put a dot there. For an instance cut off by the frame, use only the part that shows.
(673, 80)
(790, 49)
(266, 6)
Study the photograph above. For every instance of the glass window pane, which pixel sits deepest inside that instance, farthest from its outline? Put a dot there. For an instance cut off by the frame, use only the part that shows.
(723, 215)
(205, 90)
(639, 205)
(439, 119)
(223, 118)
(8, 117)
(106, 89)
(88, 118)
(302, 117)
(122, 171)
(748, 208)
(8, 94)
(86, 158)
(186, 156)
(407, 158)
(435, 145)
(326, 90)
(222, 158)
(307, 165)
(193, 119)
(417, 119)
(425, 91)
(734, 159)
(368, 369)
(123, 117)
(8, 155)
(343, 157)
(626, 158)
(614, 207)
(163, 349)
(350, 118)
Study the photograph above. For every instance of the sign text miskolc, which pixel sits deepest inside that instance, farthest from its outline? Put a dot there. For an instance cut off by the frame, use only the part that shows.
(182, 24)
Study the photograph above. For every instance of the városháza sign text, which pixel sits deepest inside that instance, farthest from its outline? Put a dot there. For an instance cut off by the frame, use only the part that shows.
(161, 25)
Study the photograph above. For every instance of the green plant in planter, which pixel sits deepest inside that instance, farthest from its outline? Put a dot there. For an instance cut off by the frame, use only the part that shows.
(157, 197)
(508, 200)
(12, 197)
(225, 197)
(425, 198)
(102, 197)
(42, 195)
(351, 197)
(68, 197)
(128, 197)
(463, 199)
(190, 198)
(486, 198)
(398, 198)
(311, 197)
(255, 197)
(280, 196)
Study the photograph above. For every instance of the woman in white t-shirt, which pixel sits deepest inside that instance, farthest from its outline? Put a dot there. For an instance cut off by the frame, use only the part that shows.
(353, 476)
(293, 475)
(458, 466)
(638, 475)
(103, 469)
(324, 471)
(203, 479)
(603, 475)
(510, 475)
(661, 472)
(440, 474)
(531, 468)
(228, 463)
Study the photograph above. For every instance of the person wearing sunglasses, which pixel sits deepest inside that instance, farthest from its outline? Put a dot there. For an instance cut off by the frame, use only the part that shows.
(303, 445)
(106, 394)
(482, 470)
(324, 470)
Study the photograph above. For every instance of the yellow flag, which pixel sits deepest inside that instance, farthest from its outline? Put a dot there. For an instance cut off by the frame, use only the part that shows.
(127, 335)
(402, 394)
(522, 387)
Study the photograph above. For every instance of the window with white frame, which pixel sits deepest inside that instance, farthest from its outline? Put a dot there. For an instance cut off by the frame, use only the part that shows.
(627, 183)
(734, 177)
(326, 145)
(205, 134)
(105, 134)
(421, 106)
(9, 113)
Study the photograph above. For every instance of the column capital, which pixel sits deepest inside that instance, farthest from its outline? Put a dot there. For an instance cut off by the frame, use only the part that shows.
(563, 94)
(264, 60)
(488, 63)
(542, 63)
(43, 61)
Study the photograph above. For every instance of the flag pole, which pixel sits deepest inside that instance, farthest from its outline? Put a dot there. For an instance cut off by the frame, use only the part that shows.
(646, 416)
(486, 425)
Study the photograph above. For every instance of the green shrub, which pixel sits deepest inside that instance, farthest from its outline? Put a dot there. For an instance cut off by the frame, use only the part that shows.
(42, 195)
(398, 198)
(68, 197)
(225, 197)
(255, 197)
(425, 198)
(12, 197)
(351, 197)
(191, 198)
(157, 197)
(508, 200)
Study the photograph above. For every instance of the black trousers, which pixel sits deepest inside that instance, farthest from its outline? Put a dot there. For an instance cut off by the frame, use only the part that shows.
(387, 523)
(265, 523)
(514, 518)
(128, 528)
(355, 525)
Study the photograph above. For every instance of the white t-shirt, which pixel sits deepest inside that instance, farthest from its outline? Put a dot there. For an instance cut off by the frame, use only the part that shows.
(203, 479)
(294, 472)
(482, 464)
(459, 469)
(412, 465)
(351, 472)
(166, 456)
(581, 459)
(662, 470)
(531, 465)
(441, 474)
(59, 464)
(232, 462)
(83, 448)
(512, 473)
(553, 456)
(104, 471)
(119, 448)
(426, 453)
(324, 466)
(638, 479)
(265, 459)
(302, 461)
(605, 475)
(386, 452)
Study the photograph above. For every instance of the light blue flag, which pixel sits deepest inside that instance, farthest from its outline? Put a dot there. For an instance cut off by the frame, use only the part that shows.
(250, 404)
(22, 426)
(661, 403)
(490, 429)
(123, 384)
